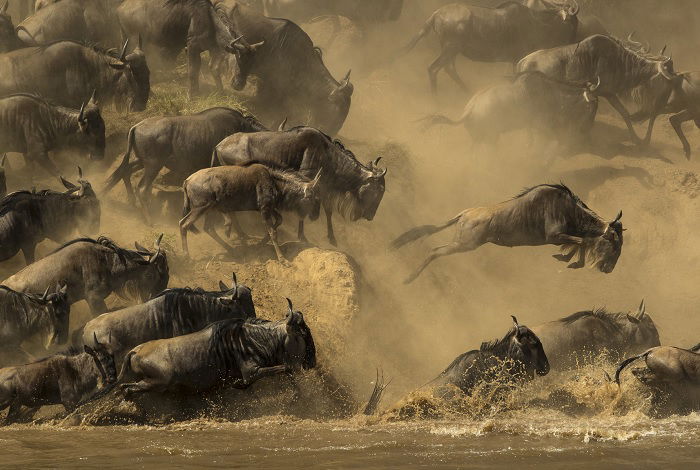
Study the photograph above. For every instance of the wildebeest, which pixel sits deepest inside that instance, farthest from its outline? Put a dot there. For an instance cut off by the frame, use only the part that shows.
(231, 189)
(24, 315)
(357, 189)
(9, 40)
(362, 11)
(620, 68)
(63, 379)
(27, 218)
(173, 312)
(231, 353)
(120, 79)
(183, 144)
(93, 269)
(517, 357)
(546, 214)
(174, 25)
(293, 81)
(35, 127)
(584, 335)
(502, 34)
(564, 111)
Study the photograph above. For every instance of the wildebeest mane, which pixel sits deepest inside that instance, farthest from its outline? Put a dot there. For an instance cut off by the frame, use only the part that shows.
(560, 186)
(111, 52)
(19, 303)
(498, 347)
(248, 339)
(10, 202)
(122, 253)
(609, 319)
(180, 304)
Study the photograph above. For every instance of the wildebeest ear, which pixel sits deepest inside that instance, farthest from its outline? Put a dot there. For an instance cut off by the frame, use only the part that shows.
(632, 318)
(222, 286)
(141, 250)
(68, 184)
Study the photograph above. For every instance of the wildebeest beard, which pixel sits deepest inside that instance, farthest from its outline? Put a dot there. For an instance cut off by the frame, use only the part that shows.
(347, 204)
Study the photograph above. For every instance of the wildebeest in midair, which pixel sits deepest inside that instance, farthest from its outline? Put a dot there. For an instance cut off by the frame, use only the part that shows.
(24, 315)
(546, 214)
(356, 189)
(65, 379)
(122, 79)
(34, 127)
(27, 218)
(620, 68)
(255, 187)
(183, 144)
(502, 34)
(293, 82)
(231, 353)
(173, 312)
(582, 336)
(564, 111)
(93, 269)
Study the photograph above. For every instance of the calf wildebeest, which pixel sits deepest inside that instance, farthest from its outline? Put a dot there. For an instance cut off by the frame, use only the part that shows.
(9, 40)
(174, 25)
(293, 81)
(355, 188)
(565, 111)
(183, 144)
(33, 126)
(232, 353)
(173, 312)
(503, 34)
(27, 218)
(584, 335)
(231, 189)
(517, 357)
(620, 68)
(546, 214)
(24, 315)
(62, 379)
(93, 269)
(119, 79)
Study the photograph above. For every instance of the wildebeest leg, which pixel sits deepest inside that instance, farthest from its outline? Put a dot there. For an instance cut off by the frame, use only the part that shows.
(273, 220)
(194, 63)
(677, 121)
(187, 223)
(620, 108)
(452, 72)
(28, 414)
(328, 209)
(13, 413)
(650, 128)
(436, 253)
(566, 257)
(564, 239)
(253, 374)
(143, 386)
(445, 57)
(231, 221)
(97, 304)
(144, 190)
(300, 233)
(581, 261)
(28, 252)
(211, 231)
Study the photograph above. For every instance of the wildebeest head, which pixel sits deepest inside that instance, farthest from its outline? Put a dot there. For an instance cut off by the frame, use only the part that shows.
(526, 349)
(241, 67)
(639, 331)
(299, 347)
(104, 360)
(154, 279)
(310, 201)
(331, 118)
(604, 251)
(371, 192)
(133, 87)
(239, 295)
(87, 206)
(91, 128)
(57, 309)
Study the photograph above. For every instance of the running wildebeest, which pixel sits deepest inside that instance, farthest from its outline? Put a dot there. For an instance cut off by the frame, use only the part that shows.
(355, 189)
(582, 336)
(231, 353)
(183, 144)
(564, 111)
(33, 126)
(174, 25)
(119, 79)
(519, 354)
(231, 189)
(9, 39)
(620, 68)
(293, 82)
(93, 269)
(546, 214)
(62, 379)
(173, 312)
(502, 34)
(27, 218)
(24, 315)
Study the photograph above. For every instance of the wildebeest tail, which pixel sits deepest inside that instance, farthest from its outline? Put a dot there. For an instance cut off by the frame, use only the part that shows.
(627, 362)
(124, 169)
(420, 232)
(427, 26)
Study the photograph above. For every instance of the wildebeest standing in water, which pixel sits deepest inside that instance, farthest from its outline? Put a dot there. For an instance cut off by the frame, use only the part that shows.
(547, 214)
(231, 189)
(620, 68)
(503, 34)
(93, 269)
(27, 218)
(62, 379)
(355, 188)
(183, 144)
(23, 316)
(564, 111)
(34, 127)
(9, 40)
(232, 353)
(173, 312)
(174, 25)
(120, 79)
(582, 336)
(293, 82)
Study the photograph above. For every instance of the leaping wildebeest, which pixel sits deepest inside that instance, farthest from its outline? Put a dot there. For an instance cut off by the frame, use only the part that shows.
(356, 189)
(502, 34)
(546, 214)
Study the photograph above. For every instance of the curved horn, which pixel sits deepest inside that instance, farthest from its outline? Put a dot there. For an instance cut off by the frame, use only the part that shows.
(234, 281)
(597, 84)
(158, 240)
(289, 303)
(317, 178)
(663, 49)
(587, 96)
(630, 36)
(347, 76)
(573, 11)
(81, 115)
(280, 128)
(93, 97)
(94, 337)
(157, 246)
(642, 309)
(45, 295)
(381, 173)
(619, 216)
(515, 321)
(122, 56)
(376, 161)
(80, 173)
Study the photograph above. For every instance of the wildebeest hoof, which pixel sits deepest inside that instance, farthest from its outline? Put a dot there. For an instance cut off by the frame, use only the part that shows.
(576, 265)
(333, 241)
(564, 258)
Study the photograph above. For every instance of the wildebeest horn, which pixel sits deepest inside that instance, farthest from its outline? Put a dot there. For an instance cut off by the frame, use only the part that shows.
(141, 250)
(663, 49)
(347, 76)
(3, 9)
(376, 161)
(587, 96)
(597, 84)
(381, 173)
(81, 115)
(93, 97)
(94, 337)
(289, 303)
(617, 219)
(515, 321)
(317, 178)
(629, 38)
(46, 294)
(122, 56)
(234, 285)
(157, 246)
(573, 11)
(253, 47)
(80, 173)
(69, 186)
(280, 128)
(642, 310)
(222, 286)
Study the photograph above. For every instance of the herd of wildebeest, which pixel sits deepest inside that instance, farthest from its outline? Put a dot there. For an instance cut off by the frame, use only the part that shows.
(70, 58)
